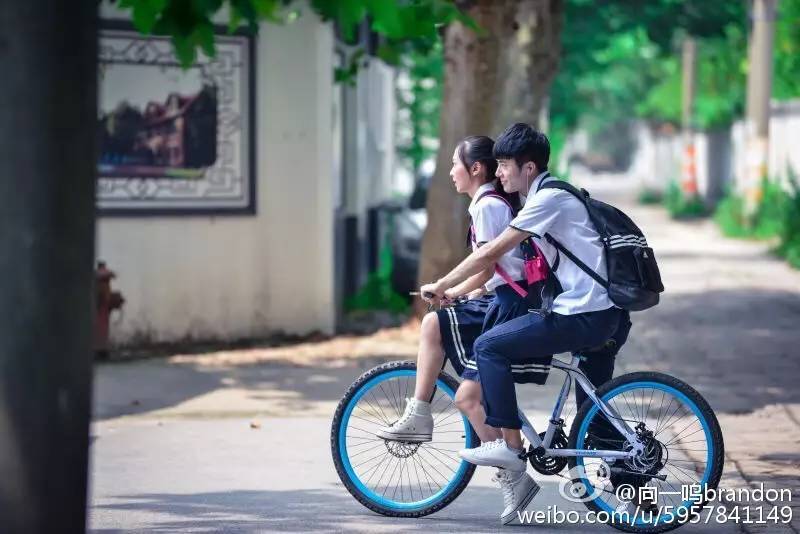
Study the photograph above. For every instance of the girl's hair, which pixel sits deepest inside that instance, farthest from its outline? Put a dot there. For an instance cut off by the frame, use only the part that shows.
(478, 149)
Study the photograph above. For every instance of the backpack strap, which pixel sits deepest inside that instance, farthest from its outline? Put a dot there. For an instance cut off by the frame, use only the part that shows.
(471, 228)
(583, 196)
(499, 270)
(585, 268)
(497, 195)
(580, 194)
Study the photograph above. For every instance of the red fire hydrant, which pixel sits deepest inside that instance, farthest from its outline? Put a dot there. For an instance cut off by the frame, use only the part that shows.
(107, 301)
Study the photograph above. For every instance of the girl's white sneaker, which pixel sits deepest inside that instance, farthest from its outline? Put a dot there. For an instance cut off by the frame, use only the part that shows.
(415, 425)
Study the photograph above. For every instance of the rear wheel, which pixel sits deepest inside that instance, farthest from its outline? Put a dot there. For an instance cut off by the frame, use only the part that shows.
(400, 479)
(683, 453)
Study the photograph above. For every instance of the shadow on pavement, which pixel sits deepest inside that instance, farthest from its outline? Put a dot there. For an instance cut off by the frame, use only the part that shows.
(739, 348)
(287, 511)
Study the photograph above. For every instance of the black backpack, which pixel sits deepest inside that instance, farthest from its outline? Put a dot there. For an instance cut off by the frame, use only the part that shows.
(634, 280)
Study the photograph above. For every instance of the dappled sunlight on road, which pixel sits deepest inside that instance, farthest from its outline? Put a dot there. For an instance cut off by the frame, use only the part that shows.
(397, 342)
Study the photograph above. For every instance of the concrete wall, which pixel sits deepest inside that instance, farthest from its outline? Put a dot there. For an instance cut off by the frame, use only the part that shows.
(784, 139)
(783, 158)
(720, 155)
(656, 160)
(231, 277)
(369, 165)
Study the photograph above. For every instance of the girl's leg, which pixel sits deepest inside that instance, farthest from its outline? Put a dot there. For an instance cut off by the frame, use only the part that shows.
(430, 357)
(468, 400)
(416, 423)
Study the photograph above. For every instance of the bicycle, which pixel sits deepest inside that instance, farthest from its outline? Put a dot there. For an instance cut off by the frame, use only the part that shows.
(602, 450)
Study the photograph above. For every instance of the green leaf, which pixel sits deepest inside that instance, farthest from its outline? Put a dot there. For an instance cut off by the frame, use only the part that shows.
(235, 19)
(385, 18)
(267, 10)
(204, 37)
(389, 54)
(145, 13)
(185, 50)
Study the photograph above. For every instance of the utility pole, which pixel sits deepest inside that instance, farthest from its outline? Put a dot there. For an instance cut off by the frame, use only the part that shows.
(689, 64)
(759, 91)
(48, 113)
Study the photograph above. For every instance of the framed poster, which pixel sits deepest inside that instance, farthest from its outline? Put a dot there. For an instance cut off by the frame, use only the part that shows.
(172, 140)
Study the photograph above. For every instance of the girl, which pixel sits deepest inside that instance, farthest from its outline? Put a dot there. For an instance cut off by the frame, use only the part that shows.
(496, 295)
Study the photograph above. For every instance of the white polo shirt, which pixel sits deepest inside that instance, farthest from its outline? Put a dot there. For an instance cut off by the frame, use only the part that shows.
(565, 218)
(490, 216)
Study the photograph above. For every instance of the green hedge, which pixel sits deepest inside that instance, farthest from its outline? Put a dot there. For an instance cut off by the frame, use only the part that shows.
(680, 206)
(377, 292)
(778, 215)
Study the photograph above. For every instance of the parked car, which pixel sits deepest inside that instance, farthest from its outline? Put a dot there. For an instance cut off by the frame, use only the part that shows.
(409, 225)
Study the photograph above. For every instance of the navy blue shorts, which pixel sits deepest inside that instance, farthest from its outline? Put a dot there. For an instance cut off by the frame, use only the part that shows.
(460, 325)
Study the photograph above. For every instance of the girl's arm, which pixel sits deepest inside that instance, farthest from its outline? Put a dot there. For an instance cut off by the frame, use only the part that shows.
(480, 260)
(476, 281)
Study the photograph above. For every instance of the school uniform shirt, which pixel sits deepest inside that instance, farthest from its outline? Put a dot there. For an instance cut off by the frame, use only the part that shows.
(490, 216)
(565, 218)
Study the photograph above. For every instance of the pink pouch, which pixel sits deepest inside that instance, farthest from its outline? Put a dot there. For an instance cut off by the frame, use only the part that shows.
(536, 268)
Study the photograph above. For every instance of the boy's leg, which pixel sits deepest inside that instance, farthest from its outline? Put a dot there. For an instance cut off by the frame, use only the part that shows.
(468, 400)
(523, 338)
(598, 365)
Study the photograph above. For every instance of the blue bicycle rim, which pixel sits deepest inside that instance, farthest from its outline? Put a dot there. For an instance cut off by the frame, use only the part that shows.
(369, 493)
(667, 517)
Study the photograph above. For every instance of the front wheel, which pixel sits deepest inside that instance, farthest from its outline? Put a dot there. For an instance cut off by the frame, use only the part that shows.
(400, 479)
(683, 453)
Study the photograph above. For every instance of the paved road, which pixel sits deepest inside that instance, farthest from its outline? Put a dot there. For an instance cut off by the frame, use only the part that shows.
(220, 475)
(173, 448)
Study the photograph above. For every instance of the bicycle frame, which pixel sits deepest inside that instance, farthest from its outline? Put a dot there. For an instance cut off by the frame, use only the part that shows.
(572, 372)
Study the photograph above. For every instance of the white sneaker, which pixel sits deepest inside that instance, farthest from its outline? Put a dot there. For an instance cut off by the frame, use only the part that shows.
(416, 424)
(636, 507)
(519, 489)
(494, 454)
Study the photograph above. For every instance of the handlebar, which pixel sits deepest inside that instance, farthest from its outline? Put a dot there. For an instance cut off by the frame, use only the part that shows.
(443, 302)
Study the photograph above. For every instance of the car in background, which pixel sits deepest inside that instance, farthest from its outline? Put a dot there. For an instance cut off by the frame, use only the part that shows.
(407, 229)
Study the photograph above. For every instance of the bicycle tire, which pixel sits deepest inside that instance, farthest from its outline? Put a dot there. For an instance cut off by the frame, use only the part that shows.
(455, 489)
(610, 390)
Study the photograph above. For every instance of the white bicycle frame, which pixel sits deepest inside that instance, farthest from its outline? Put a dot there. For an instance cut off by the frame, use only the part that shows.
(574, 373)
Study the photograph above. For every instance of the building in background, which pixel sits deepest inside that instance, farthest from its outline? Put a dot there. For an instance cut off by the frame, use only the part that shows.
(278, 226)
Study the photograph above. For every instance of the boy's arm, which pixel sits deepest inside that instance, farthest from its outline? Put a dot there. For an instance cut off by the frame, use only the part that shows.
(472, 283)
(480, 260)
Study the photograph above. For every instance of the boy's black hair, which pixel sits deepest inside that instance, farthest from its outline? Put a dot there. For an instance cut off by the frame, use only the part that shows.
(523, 143)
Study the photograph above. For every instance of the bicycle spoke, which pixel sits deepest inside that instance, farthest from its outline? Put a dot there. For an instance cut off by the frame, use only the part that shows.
(675, 426)
(391, 400)
(380, 408)
(371, 449)
(396, 471)
(422, 462)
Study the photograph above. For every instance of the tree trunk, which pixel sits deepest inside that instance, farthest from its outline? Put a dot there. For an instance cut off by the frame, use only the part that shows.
(48, 112)
(491, 78)
(530, 61)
